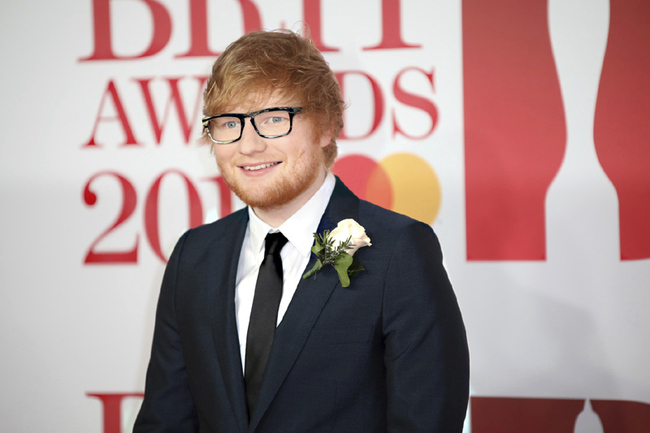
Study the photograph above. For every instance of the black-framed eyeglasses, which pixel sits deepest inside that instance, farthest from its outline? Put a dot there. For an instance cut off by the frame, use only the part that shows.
(268, 123)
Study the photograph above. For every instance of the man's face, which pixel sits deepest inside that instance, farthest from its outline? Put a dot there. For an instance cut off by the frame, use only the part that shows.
(268, 173)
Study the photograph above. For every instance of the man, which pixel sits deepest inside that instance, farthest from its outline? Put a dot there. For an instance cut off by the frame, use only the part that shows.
(387, 353)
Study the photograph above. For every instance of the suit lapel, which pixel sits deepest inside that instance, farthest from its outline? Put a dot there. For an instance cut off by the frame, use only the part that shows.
(305, 307)
(221, 281)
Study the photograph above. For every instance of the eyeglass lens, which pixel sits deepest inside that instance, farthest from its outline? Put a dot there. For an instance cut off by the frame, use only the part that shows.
(268, 124)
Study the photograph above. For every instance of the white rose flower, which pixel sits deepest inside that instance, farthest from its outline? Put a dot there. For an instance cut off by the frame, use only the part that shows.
(329, 246)
(349, 228)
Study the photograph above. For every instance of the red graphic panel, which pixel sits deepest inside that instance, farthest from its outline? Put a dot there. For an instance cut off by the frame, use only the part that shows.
(543, 415)
(622, 121)
(524, 415)
(623, 416)
(515, 132)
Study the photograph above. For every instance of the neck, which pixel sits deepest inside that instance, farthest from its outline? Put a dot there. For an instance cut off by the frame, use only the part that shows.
(275, 216)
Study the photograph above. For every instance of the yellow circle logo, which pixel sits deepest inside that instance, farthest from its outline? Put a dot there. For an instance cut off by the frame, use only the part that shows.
(401, 182)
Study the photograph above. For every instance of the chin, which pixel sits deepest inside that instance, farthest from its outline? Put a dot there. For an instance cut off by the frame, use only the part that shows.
(281, 192)
(283, 188)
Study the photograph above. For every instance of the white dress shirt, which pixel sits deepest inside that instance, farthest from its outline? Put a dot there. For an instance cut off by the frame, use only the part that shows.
(299, 230)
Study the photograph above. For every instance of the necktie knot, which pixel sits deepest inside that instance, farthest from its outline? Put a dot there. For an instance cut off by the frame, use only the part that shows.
(274, 243)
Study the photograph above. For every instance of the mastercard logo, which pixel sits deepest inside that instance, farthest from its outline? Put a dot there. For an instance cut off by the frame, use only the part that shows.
(401, 182)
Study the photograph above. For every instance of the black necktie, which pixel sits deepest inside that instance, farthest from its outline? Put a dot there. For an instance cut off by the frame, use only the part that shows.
(264, 316)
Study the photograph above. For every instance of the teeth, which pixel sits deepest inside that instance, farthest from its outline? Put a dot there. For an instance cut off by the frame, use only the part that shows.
(259, 167)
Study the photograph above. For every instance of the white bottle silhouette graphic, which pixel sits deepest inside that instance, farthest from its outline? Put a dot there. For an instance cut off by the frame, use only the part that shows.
(581, 203)
(588, 421)
(583, 253)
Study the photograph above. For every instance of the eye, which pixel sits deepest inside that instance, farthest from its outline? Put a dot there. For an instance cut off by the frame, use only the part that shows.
(277, 119)
(273, 118)
(225, 123)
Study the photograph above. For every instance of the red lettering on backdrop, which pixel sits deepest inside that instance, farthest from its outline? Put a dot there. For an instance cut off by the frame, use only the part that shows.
(391, 26)
(199, 31)
(378, 102)
(112, 409)
(151, 211)
(111, 91)
(161, 25)
(129, 254)
(515, 132)
(416, 101)
(199, 26)
(313, 17)
(129, 201)
(174, 99)
(225, 196)
(621, 126)
(524, 415)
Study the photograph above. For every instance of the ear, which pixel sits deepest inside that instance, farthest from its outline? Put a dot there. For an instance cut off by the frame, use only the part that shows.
(325, 139)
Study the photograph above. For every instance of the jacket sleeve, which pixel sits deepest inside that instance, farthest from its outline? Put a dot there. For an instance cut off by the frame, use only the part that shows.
(167, 405)
(426, 353)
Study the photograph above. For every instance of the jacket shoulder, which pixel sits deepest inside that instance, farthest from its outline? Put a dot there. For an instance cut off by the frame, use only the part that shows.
(387, 220)
(219, 227)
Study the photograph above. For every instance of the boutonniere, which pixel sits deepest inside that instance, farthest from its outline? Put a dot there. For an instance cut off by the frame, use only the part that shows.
(337, 248)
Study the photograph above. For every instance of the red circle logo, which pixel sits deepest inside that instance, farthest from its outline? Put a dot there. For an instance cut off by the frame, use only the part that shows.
(401, 182)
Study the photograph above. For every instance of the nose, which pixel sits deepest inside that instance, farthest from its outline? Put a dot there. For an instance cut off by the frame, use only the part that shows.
(250, 142)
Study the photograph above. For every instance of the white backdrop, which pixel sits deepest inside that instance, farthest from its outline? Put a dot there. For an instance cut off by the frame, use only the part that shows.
(477, 117)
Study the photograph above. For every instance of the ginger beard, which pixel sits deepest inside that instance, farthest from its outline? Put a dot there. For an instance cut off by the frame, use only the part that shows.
(288, 183)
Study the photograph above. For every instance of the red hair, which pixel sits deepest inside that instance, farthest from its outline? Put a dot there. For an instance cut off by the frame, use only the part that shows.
(280, 62)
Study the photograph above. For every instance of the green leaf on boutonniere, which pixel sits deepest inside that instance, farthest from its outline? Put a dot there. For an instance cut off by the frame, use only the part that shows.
(342, 264)
(333, 250)
(355, 267)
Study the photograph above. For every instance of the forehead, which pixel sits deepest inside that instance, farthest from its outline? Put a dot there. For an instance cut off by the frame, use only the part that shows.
(260, 100)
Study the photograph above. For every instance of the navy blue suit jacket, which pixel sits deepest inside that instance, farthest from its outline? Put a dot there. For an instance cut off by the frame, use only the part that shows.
(386, 354)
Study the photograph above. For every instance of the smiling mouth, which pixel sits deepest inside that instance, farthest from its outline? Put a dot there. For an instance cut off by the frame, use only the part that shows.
(259, 167)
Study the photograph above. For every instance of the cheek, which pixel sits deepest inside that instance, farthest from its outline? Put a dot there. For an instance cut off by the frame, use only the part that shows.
(222, 155)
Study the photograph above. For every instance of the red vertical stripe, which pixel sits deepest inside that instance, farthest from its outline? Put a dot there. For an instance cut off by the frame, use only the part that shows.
(515, 133)
(622, 121)
(524, 415)
(623, 416)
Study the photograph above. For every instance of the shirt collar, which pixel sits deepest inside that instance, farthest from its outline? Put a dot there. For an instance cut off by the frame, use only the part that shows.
(299, 229)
